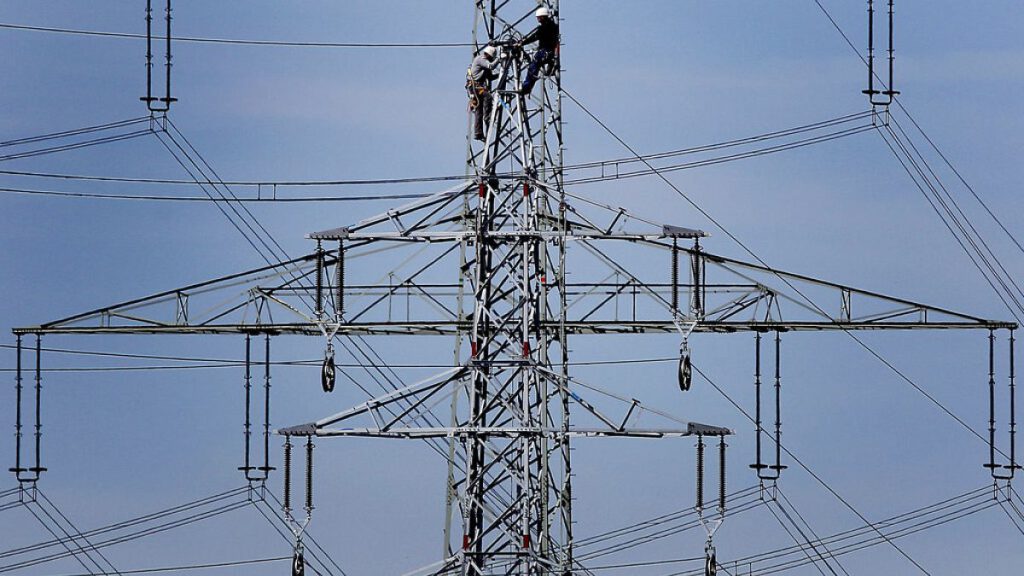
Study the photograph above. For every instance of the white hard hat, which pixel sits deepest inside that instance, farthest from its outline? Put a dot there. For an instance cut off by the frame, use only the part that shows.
(490, 51)
(543, 12)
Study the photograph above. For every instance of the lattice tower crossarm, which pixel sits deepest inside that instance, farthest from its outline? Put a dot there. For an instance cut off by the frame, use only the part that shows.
(510, 310)
(513, 357)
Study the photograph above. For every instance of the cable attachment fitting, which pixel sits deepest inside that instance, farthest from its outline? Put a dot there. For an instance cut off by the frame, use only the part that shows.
(328, 371)
(685, 367)
(710, 562)
(298, 562)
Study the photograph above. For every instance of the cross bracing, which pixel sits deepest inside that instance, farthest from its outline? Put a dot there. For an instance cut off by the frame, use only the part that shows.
(509, 233)
(738, 295)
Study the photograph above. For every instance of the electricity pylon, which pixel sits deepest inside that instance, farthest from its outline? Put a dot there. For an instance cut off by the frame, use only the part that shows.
(505, 235)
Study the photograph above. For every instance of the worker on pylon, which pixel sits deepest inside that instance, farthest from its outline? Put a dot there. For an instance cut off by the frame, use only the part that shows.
(478, 83)
(546, 37)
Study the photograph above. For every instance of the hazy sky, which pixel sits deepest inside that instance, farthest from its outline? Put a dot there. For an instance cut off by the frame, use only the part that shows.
(663, 75)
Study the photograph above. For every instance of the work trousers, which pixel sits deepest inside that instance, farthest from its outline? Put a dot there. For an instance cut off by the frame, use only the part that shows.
(541, 58)
(482, 113)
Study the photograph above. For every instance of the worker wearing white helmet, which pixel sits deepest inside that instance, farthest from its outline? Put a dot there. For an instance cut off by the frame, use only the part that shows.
(478, 83)
(547, 39)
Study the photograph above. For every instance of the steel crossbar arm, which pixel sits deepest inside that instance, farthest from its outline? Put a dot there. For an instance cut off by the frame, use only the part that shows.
(431, 205)
(572, 327)
(692, 429)
(462, 235)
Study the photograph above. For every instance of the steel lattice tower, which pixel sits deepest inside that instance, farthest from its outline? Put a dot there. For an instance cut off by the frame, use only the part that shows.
(490, 270)
(509, 435)
(513, 356)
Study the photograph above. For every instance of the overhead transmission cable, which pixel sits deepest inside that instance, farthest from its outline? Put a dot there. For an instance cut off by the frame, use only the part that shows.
(979, 260)
(788, 283)
(953, 216)
(239, 41)
(856, 539)
(657, 528)
(800, 544)
(785, 280)
(121, 525)
(817, 478)
(1008, 277)
(76, 145)
(269, 244)
(130, 536)
(960, 177)
(76, 554)
(103, 196)
(189, 567)
(208, 363)
(817, 538)
(74, 132)
(69, 529)
(152, 523)
(949, 164)
(603, 165)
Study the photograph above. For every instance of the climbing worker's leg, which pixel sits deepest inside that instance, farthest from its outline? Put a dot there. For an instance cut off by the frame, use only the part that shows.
(482, 115)
(540, 58)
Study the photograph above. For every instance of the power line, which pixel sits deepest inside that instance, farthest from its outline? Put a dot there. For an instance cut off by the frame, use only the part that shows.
(133, 521)
(594, 164)
(201, 362)
(76, 145)
(781, 277)
(190, 567)
(239, 41)
(977, 258)
(74, 132)
(960, 177)
(1006, 276)
(274, 199)
(800, 544)
(811, 472)
(102, 196)
(809, 528)
(728, 158)
(75, 535)
(934, 146)
(253, 183)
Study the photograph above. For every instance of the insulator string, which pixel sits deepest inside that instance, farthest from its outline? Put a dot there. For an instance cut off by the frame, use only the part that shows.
(700, 474)
(287, 475)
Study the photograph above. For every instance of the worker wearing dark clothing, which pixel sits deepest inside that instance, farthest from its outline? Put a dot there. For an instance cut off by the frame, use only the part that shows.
(546, 37)
(481, 72)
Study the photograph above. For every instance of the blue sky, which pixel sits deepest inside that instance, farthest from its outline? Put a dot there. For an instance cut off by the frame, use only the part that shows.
(663, 75)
